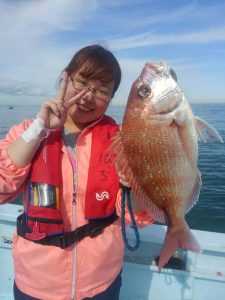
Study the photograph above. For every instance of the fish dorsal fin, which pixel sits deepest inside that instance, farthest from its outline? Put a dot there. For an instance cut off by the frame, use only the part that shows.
(206, 133)
(122, 165)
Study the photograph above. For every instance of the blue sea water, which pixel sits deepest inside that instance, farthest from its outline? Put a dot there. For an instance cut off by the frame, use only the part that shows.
(209, 212)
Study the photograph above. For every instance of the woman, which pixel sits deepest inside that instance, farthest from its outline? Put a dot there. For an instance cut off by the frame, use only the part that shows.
(68, 243)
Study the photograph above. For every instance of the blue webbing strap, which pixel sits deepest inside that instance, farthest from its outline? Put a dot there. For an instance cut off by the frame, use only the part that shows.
(126, 196)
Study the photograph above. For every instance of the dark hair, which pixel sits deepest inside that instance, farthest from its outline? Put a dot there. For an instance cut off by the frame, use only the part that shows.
(96, 62)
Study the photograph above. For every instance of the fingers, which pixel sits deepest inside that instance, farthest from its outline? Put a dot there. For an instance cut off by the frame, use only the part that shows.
(52, 106)
(63, 112)
(60, 111)
(63, 86)
(73, 100)
(58, 107)
(62, 91)
(53, 113)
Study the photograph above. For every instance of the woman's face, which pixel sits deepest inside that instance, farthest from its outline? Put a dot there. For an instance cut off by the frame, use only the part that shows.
(93, 104)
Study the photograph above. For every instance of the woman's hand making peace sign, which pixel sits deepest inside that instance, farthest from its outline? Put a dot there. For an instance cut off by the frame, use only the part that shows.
(54, 112)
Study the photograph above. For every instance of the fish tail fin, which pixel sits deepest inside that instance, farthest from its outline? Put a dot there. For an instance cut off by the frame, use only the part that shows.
(178, 238)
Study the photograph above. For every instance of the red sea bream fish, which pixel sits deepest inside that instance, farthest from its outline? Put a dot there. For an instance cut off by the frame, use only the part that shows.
(157, 151)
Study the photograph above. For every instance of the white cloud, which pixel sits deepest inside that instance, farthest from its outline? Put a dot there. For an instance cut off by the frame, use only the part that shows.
(15, 87)
(38, 38)
(216, 34)
(28, 28)
(30, 56)
(38, 18)
(192, 12)
(171, 15)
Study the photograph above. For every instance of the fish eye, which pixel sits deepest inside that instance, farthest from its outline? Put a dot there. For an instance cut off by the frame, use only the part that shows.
(144, 91)
(173, 74)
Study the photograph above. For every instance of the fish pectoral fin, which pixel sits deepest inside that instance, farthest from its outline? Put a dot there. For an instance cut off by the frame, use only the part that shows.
(206, 132)
(180, 117)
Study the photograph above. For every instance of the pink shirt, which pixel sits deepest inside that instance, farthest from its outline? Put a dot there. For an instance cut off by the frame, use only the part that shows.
(51, 273)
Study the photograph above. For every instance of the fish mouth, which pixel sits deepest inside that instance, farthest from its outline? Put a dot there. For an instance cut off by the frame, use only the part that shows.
(158, 68)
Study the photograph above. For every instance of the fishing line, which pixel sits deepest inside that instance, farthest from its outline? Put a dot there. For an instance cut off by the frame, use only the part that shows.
(126, 196)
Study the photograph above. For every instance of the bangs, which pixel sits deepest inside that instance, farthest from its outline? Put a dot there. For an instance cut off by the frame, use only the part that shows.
(93, 69)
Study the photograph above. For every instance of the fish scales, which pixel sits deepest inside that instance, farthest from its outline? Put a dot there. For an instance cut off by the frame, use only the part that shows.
(157, 159)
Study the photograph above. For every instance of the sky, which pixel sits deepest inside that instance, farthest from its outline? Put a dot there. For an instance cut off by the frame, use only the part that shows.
(39, 37)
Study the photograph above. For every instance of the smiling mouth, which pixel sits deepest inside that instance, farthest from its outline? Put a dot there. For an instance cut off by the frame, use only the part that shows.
(81, 107)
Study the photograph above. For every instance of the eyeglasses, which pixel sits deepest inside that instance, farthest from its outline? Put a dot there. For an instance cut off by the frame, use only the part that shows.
(80, 84)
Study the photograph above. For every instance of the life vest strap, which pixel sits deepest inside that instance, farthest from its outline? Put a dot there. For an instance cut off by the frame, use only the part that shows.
(66, 239)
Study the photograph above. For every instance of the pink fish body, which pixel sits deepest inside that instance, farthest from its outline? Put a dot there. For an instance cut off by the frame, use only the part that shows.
(157, 151)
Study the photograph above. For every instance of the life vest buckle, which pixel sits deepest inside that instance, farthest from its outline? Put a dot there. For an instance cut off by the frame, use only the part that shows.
(35, 235)
(63, 240)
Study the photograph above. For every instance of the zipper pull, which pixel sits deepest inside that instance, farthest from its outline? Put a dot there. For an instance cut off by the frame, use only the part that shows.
(74, 198)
